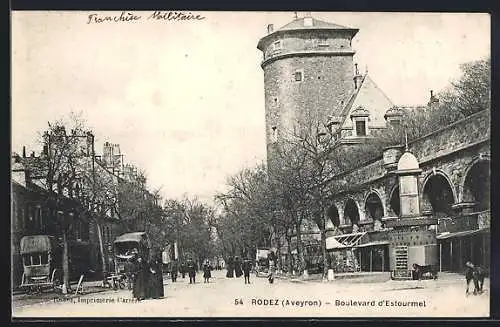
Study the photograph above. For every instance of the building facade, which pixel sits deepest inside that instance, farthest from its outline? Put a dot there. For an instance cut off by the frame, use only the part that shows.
(34, 212)
(426, 202)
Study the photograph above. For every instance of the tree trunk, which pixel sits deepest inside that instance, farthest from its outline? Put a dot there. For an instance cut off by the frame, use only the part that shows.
(290, 256)
(300, 250)
(101, 249)
(323, 250)
(66, 287)
(278, 249)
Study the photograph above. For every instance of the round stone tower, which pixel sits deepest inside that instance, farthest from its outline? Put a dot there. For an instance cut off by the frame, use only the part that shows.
(308, 74)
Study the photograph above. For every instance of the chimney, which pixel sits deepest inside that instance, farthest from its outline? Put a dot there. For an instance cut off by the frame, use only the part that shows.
(433, 101)
(308, 21)
(24, 151)
(270, 28)
(357, 77)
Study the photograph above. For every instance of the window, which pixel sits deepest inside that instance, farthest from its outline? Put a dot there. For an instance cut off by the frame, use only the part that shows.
(298, 76)
(360, 128)
(323, 42)
(277, 45)
(40, 216)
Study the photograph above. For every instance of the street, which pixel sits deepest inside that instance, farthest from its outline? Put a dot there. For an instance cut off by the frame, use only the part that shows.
(224, 297)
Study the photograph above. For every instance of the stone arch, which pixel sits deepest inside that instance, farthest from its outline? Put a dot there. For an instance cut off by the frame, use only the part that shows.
(438, 194)
(374, 206)
(475, 186)
(394, 203)
(333, 214)
(351, 212)
(435, 172)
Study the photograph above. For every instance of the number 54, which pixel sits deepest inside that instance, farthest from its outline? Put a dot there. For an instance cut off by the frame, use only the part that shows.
(238, 301)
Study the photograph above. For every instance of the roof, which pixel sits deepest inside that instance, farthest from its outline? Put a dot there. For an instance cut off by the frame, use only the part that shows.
(350, 240)
(332, 243)
(446, 235)
(374, 243)
(131, 237)
(298, 24)
(35, 243)
(350, 102)
(370, 97)
(408, 162)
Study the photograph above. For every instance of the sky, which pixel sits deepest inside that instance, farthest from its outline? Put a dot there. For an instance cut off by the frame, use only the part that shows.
(185, 99)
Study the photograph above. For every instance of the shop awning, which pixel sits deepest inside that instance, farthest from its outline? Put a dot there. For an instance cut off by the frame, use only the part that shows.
(374, 243)
(350, 240)
(131, 237)
(332, 243)
(447, 235)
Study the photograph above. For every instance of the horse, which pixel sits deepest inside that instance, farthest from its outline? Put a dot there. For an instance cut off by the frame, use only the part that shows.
(421, 270)
(476, 274)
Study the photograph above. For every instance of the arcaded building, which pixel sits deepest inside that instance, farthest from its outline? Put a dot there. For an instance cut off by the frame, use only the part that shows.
(424, 202)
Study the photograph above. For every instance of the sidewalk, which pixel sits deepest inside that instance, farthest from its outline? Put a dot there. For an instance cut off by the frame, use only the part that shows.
(363, 277)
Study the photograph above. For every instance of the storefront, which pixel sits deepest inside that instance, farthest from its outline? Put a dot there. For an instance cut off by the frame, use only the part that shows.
(455, 249)
(373, 256)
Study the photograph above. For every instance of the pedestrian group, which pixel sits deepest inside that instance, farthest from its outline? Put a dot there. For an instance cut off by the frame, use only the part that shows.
(146, 278)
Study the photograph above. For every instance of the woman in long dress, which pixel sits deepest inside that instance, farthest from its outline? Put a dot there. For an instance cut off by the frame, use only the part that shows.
(230, 268)
(155, 283)
(238, 272)
(141, 279)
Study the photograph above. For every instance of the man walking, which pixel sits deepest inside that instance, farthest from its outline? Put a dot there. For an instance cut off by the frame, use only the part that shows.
(191, 271)
(207, 268)
(173, 270)
(183, 269)
(247, 266)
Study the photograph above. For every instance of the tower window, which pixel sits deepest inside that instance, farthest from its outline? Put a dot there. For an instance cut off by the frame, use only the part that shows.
(360, 128)
(298, 76)
(274, 134)
(323, 42)
(277, 45)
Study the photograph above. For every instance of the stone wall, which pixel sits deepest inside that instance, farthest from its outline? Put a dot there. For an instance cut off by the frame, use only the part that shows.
(450, 150)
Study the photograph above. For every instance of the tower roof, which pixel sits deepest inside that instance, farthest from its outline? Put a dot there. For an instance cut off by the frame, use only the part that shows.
(299, 24)
(307, 24)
